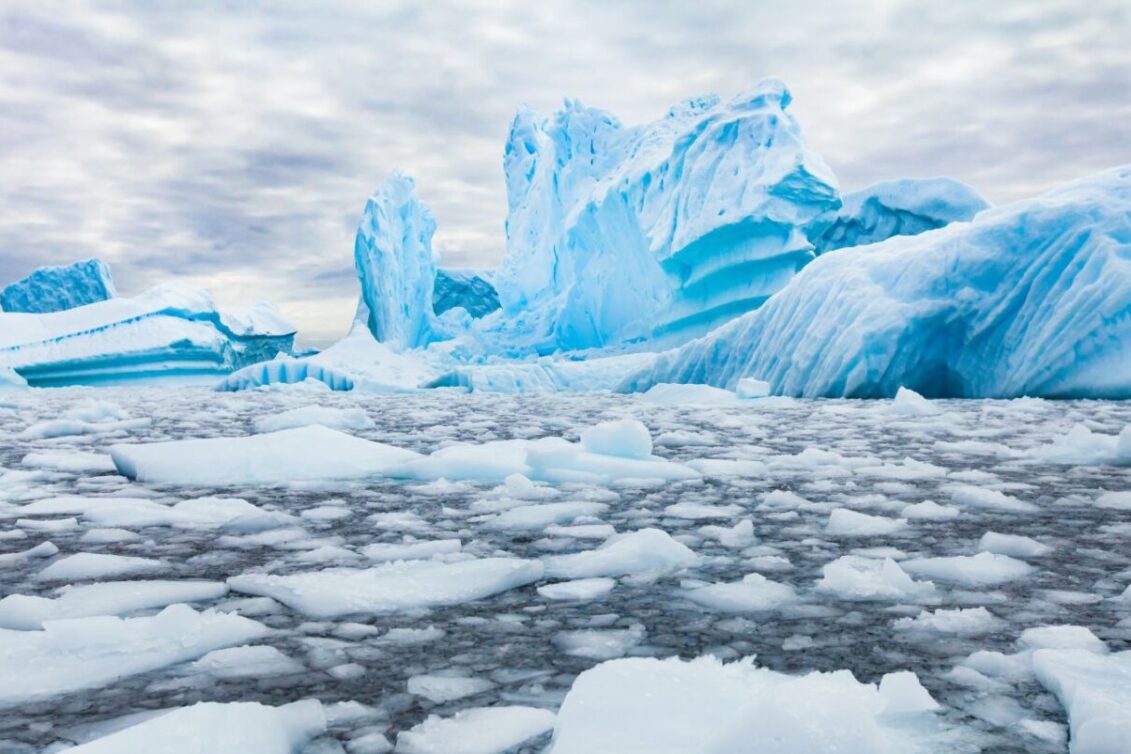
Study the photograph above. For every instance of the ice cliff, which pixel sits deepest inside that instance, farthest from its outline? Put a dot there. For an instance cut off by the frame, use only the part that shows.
(1032, 298)
(55, 289)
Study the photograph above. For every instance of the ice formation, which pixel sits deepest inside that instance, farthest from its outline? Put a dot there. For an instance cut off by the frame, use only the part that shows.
(468, 289)
(903, 207)
(172, 332)
(55, 289)
(1031, 298)
(658, 231)
(396, 266)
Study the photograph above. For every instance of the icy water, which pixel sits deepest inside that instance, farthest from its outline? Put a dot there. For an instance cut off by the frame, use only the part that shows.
(516, 639)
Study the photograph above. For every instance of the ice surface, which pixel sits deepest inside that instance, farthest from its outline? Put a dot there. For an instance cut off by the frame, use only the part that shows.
(439, 689)
(28, 612)
(468, 289)
(305, 453)
(55, 289)
(245, 727)
(1028, 299)
(481, 730)
(1013, 545)
(172, 332)
(86, 653)
(849, 523)
(578, 589)
(84, 566)
(1082, 446)
(903, 207)
(664, 230)
(259, 661)
(673, 706)
(396, 266)
(626, 438)
(852, 577)
(962, 621)
(388, 588)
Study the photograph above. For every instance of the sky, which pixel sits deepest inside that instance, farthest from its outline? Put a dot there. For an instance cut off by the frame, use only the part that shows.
(232, 145)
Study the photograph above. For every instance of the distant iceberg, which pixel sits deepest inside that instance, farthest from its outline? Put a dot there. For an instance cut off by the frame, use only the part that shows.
(56, 289)
(1028, 299)
(172, 332)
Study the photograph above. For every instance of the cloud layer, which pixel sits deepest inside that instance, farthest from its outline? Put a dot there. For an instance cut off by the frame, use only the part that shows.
(233, 146)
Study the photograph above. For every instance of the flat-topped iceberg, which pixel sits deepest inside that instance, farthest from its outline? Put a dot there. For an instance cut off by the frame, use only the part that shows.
(171, 332)
(56, 289)
(1032, 298)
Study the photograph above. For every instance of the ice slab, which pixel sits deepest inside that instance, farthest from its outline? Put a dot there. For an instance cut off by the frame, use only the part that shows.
(480, 730)
(403, 585)
(28, 612)
(643, 551)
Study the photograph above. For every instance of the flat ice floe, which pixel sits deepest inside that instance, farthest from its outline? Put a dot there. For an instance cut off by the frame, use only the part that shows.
(1096, 693)
(647, 706)
(28, 612)
(983, 569)
(394, 586)
(481, 730)
(87, 653)
(245, 727)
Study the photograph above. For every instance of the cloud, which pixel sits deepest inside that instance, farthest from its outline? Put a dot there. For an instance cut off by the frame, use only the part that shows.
(234, 146)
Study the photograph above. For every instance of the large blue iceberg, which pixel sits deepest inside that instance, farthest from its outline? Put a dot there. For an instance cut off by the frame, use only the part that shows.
(172, 332)
(56, 289)
(659, 232)
(904, 207)
(396, 266)
(1032, 298)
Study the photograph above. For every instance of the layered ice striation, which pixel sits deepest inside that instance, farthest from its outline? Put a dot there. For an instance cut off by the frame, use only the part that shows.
(171, 332)
(661, 231)
(396, 266)
(467, 289)
(56, 289)
(1032, 298)
(904, 207)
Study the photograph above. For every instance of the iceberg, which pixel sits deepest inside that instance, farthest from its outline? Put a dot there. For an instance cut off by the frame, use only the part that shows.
(1028, 299)
(171, 332)
(56, 289)
(396, 266)
(471, 290)
(904, 207)
(661, 231)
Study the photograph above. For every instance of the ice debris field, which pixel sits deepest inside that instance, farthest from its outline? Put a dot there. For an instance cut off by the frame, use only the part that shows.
(302, 570)
(718, 460)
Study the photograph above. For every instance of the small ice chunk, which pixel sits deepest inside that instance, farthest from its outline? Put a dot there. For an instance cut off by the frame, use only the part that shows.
(579, 589)
(929, 510)
(994, 500)
(84, 566)
(643, 551)
(625, 438)
(748, 387)
(41, 550)
(739, 535)
(402, 585)
(541, 515)
(849, 523)
(983, 569)
(416, 550)
(480, 730)
(909, 403)
(754, 593)
(440, 689)
(1120, 501)
(1013, 545)
(595, 644)
(334, 418)
(853, 577)
(258, 661)
(972, 621)
(1061, 637)
(702, 511)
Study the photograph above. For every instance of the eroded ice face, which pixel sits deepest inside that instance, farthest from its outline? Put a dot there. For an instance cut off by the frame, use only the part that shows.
(816, 535)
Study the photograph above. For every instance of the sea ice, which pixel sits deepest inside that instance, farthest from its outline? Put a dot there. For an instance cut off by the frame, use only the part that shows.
(643, 551)
(28, 612)
(479, 730)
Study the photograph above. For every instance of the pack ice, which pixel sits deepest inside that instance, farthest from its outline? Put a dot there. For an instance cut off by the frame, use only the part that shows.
(1031, 299)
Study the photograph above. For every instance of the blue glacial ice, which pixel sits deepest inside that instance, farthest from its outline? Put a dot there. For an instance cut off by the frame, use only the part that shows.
(656, 232)
(904, 207)
(171, 332)
(468, 289)
(55, 289)
(396, 266)
(1032, 298)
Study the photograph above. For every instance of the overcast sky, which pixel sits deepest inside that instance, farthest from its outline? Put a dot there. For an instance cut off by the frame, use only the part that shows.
(234, 146)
